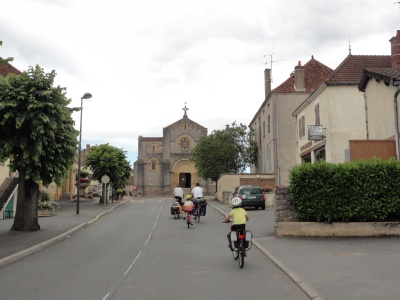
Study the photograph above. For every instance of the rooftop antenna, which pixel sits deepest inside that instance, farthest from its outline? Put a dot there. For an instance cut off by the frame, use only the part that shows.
(271, 60)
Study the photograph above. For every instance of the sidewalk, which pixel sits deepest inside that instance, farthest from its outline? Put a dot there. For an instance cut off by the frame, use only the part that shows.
(15, 245)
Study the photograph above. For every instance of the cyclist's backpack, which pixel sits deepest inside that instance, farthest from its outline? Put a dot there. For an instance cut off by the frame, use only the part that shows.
(248, 238)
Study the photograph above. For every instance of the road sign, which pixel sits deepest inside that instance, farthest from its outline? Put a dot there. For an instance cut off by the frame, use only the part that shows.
(105, 179)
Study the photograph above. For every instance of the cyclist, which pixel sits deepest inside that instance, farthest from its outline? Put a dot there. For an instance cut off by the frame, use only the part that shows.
(178, 194)
(188, 207)
(197, 191)
(239, 216)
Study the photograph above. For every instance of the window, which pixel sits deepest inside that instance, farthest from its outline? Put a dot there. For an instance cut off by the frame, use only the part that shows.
(269, 123)
(263, 129)
(319, 154)
(154, 148)
(317, 119)
(302, 127)
(306, 158)
(153, 165)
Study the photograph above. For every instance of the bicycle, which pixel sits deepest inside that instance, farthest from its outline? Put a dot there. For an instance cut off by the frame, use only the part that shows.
(239, 242)
(187, 219)
(196, 214)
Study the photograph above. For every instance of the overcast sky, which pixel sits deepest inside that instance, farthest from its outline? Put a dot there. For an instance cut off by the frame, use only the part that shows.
(142, 60)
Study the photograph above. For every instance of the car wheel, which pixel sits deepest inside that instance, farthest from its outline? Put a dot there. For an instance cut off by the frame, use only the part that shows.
(263, 207)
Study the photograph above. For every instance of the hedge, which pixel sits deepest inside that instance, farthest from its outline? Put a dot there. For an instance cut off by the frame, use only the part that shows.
(360, 191)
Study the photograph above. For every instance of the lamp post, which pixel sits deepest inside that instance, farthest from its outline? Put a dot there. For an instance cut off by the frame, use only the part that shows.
(85, 96)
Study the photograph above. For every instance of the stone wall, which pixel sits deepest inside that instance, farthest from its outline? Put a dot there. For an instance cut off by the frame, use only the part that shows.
(284, 211)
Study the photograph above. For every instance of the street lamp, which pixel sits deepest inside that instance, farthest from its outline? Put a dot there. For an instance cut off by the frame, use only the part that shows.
(85, 96)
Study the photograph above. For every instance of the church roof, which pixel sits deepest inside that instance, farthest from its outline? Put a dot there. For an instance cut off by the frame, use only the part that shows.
(150, 139)
(187, 120)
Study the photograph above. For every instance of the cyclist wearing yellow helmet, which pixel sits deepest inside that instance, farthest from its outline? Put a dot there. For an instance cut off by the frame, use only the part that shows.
(188, 207)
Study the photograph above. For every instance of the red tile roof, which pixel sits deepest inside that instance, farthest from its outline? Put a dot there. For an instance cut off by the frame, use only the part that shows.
(6, 68)
(350, 71)
(315, 74)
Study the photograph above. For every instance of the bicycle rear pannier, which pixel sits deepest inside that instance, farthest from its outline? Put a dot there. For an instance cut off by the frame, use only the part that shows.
(248, 237)
(234, 240)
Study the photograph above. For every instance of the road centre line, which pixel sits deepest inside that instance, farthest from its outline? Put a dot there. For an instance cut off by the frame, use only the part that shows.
(148, 239)
(127, 271)
(106, 296)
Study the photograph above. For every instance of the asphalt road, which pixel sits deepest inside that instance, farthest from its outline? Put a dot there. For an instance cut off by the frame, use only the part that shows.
(139, 251)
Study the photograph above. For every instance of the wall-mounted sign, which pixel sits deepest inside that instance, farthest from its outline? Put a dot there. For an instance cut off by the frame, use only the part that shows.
(315, 132)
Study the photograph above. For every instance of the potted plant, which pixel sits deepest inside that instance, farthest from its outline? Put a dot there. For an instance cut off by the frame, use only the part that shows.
(45, 207)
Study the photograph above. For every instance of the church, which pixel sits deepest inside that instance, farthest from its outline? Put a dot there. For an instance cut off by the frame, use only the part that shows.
(164, 162)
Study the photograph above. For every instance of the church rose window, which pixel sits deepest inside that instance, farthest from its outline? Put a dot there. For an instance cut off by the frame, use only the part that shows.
(184, 143)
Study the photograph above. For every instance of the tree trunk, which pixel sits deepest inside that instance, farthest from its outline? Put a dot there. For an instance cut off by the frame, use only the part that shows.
(26, 218)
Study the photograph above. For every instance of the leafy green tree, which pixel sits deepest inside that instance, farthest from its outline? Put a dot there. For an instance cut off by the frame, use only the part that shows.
(111, 161)
(229, 150)
(8, 59)
(37, 133)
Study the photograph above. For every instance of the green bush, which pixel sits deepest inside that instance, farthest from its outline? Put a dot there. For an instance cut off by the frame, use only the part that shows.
(356, 191)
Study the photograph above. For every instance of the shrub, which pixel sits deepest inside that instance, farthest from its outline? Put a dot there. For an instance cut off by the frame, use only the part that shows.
(355, 191)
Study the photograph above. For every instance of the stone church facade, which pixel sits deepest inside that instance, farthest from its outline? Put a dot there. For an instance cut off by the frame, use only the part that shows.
(163, 162)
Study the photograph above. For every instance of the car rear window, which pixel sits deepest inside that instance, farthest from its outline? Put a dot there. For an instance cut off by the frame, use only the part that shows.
(250, 191)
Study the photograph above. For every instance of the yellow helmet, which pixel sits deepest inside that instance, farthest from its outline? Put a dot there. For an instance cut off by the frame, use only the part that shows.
(188, 197)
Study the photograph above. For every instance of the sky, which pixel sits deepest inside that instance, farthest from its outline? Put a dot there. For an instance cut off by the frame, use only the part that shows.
(144, 61)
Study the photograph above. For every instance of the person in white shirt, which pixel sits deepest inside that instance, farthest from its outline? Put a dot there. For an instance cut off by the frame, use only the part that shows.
(178, 194)
(197, 192)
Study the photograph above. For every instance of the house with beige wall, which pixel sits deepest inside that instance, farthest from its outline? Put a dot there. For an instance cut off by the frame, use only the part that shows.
(381, 87)
(275, 131)
(335, 113)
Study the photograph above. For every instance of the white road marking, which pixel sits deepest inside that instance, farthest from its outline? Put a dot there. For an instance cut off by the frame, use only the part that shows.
(127, 271)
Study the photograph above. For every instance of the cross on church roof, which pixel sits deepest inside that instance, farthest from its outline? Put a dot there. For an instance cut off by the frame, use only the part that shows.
(185, 109)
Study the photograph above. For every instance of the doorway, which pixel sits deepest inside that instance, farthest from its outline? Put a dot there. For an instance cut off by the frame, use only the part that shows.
(185, 180)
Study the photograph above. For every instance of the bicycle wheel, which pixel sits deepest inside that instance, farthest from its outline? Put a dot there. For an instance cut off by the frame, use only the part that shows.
(187, 220)
(198, 216)
(241, 253)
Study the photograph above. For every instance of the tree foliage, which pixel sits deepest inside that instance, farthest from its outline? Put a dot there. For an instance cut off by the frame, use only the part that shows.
(37, 133)
(229, 150)
(5, 60)
(111, 161)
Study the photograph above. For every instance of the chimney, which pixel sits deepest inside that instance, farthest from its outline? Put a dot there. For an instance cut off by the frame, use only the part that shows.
(299, 78)
(267, 82)
(395, 42)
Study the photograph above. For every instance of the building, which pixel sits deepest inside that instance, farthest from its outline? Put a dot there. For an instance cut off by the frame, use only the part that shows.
(381, 87)
(163, 162)
(336, 112)
(273, 123)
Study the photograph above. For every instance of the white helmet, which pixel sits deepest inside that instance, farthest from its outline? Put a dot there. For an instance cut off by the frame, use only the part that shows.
(236, 202)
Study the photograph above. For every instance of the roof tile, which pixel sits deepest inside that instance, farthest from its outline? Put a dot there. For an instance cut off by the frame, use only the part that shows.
(315, 74)
(350, 71)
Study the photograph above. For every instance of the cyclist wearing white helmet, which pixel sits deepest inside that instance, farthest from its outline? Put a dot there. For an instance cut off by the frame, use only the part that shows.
(238, 214)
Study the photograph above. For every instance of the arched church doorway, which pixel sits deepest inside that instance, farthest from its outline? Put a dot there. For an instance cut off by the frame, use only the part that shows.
(185, 180)
(183, 173)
